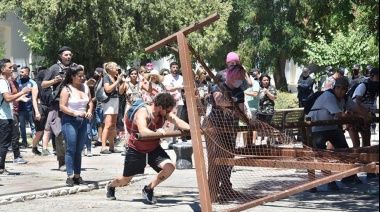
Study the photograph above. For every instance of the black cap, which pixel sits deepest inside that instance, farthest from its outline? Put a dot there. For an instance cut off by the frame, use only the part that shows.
(341, 71)
(356, 66)
(64, 48)
(369, 67)
(342, 82)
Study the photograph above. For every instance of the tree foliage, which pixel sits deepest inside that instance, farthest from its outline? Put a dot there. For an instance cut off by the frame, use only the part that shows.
(2, 49)
(109, 30)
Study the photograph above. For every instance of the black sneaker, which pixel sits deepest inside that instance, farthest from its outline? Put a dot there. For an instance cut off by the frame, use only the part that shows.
(148, 195)
(35, 151)
(79, 181)
(70, 182)
(333, 186)
(110, 192)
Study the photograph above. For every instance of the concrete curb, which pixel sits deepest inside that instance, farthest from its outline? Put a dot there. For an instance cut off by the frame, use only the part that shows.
(9, 199)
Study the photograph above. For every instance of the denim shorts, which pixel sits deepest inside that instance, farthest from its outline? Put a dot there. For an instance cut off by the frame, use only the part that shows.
(99, 116)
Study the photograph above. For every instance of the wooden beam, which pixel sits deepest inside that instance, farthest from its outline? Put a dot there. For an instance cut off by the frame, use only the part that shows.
(299, 189)
(290, 164)
(172, 38)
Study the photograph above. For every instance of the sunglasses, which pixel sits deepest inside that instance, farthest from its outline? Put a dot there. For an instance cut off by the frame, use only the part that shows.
(204, 73)
(165, 74)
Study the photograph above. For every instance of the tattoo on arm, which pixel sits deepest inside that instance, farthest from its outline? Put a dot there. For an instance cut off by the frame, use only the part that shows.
(162, 178)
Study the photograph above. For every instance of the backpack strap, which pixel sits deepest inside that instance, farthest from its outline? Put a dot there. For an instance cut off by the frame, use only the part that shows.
(140, 105)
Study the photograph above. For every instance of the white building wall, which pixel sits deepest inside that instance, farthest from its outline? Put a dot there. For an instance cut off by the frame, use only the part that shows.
(16, 49)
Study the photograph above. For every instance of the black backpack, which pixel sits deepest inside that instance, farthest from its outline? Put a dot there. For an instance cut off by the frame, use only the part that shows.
(44, 94)
(351, 92)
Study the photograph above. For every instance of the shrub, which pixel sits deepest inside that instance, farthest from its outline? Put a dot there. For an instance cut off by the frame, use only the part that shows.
(286, 100)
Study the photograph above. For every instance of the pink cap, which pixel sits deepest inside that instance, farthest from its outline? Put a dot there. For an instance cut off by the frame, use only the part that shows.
(232, 56)
(149, 65)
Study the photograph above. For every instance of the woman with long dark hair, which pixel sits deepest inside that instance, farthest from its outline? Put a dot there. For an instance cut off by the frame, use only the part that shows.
(268, 94)
(76, 107)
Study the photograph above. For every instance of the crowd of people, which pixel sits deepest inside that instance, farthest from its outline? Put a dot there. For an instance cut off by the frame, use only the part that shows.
(61, 104)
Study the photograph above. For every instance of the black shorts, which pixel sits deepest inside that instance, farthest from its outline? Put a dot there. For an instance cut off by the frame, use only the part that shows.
(44, 111)
(135, 161)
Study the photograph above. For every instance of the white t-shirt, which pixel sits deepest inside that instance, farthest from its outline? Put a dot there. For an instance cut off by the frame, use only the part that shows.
(175, 81)
(6, 107)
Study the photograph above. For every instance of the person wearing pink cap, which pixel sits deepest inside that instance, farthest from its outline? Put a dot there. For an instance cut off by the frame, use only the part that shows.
(233, 59)
(149, 68)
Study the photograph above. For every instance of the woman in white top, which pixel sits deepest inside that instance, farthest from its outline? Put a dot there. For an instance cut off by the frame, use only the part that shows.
(77, 109)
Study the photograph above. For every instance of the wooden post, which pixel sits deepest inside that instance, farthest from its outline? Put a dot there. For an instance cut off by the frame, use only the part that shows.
(183, 50)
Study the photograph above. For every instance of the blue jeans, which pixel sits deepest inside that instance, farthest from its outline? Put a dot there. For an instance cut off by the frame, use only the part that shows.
(26, 116)
(75, 133)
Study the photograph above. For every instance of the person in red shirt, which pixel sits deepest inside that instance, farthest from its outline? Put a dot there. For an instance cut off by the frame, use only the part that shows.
(148, 119)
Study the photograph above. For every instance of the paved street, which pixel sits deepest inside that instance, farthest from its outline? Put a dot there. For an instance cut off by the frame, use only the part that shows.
(41, 187)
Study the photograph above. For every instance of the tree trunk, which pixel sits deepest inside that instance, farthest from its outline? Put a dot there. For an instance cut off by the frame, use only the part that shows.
(279, 73)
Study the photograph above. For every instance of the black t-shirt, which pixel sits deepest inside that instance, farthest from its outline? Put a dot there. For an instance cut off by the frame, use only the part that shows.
(52, 73)
(237, 93)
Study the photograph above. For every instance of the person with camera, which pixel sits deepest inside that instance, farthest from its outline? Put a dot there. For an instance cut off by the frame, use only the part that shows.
(113, 85)
(53, 79)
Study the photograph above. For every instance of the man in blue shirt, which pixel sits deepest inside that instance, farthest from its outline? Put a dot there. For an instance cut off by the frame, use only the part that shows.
(25, 108)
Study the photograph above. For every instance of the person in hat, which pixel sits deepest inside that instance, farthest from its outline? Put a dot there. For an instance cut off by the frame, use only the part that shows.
(157, 87)
(330, 81)
(148, 67)
(329, 106)
(356, 76)
(233, 58)
(53, 78)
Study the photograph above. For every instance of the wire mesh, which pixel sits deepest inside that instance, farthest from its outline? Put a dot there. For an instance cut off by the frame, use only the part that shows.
(242, 168)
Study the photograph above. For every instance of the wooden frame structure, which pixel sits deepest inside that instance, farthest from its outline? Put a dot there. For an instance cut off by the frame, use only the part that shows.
(249, 159)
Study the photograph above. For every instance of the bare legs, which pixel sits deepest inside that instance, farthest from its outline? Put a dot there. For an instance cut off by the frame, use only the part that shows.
(109, 131)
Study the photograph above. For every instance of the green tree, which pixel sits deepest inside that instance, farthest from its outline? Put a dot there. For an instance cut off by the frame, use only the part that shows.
(110, 30)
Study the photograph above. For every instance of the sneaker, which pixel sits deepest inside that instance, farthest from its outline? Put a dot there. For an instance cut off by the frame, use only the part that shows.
(79, 181)
(62, 168)
(89, 154)
(84, 152)
(70, 182)
(105, 151)
(20, 160)
(148, 195)
(45, 152)
(116, 151)
(333, 186)
(110, 192)
(35, 151)
(5, 172)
